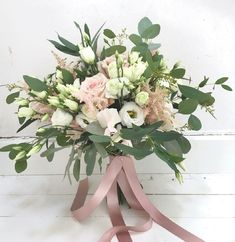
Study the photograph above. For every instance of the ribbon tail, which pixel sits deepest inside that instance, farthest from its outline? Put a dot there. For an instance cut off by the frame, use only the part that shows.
(156, 215)
(115, 213)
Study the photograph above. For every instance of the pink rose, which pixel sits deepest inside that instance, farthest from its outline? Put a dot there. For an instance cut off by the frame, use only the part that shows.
(92, 92)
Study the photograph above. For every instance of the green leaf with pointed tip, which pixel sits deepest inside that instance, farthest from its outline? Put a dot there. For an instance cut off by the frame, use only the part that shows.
(26, 124)
(194, 122)
(221, 80)
(76, 169)
(35, 84)
(226, 87)
(109, 33)
(177, 73)
(11, 98)
(99, 138)
(64, 49)
(67, 76)
(184, 144)
(68, 44)
(20, 165)
(90, 158)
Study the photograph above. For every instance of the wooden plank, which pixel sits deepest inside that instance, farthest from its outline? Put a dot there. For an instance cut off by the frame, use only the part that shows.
(153, 184)
(47, 229)
(177, 206)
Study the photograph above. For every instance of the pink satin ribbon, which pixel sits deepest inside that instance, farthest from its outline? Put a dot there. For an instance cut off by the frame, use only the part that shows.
(121, 171)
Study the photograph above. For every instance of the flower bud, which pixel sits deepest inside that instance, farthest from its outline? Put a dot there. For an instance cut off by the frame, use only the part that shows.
(22, 101)
(20, 155)
(72, 105)
(25, 112)
(35, 149)
(142, 98)
(41, 95)
(62, 89)
(87, 55)
(59, 74)
(40, 130)
(45, 117)
(55, 101)
(179, 177)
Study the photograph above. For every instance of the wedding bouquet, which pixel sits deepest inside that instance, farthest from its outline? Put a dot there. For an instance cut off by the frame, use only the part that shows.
(112, 101)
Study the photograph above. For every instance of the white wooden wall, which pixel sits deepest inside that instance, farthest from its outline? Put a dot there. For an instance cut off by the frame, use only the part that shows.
(35, 205)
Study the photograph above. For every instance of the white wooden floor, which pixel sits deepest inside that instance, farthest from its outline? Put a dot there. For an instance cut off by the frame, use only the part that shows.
(35, 206)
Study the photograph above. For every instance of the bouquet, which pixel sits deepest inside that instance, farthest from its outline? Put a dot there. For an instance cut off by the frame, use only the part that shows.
(113, 101)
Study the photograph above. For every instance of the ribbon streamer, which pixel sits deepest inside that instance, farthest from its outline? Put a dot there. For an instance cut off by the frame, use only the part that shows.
(121, 171)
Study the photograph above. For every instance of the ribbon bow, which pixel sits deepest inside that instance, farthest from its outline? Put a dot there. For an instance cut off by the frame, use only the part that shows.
(121, 171)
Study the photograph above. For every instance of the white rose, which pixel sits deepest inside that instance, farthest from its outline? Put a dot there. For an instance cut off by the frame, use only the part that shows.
(108, 118)
(82, 120)
(87, 55)
(25, 112)
(61, 118)
(142, 98)
(130, 114)
(117, 87)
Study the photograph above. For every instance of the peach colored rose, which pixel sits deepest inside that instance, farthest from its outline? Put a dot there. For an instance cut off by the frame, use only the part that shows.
(92, 92)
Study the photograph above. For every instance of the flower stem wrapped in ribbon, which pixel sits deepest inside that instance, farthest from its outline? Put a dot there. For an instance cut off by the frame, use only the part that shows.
(118, 102)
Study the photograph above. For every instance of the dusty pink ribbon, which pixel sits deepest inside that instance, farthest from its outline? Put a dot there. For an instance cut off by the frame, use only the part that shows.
(121, 171)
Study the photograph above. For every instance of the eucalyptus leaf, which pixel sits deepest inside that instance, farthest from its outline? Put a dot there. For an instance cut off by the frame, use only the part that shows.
(112, 50)
(95, 128)
(11, 98)
(99, 138)
(221, 80)
(109, 33)
(64, 49)
(136, 39)
(90, 158)
(67, 76)
(151, 32)
(20, 165)
(194, 122)
(76, 169)
(144, 24)
(68, 44)
(187, 106)
(35, 84)
(226, 87)
(178, 73)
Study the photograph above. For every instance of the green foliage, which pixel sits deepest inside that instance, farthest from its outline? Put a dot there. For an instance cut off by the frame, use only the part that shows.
(95, 128)
(20, 165)
(112, 50)
(76, 169)
(151, 32)
(194, 122)
(188, 106)
(144, 24)
(136, 39)
(221, 80)
(64, 49)
(67, 76)
(68, 44)
(177, 73)
(35, 84)
(109, 33)
(26, 124)
(99, 138)
(90, 158)
(204, 82)
(11, 98)
(226, 87)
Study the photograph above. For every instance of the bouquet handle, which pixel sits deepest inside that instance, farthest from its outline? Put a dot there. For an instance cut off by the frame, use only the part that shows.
(121, 171)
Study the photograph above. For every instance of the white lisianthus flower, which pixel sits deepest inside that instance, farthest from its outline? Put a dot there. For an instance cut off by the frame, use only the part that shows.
(142, 98)
(25, 112)
(77, 83)
(55, 101)
(131, 114)
(135, 71)
(113, 70)
(108, 118)
(72, 105)
(22, 101)
(117, 87)
(133, 57)
(41, 95)
(61, 118)
(62, 89)
(87, 55)
(82, 120)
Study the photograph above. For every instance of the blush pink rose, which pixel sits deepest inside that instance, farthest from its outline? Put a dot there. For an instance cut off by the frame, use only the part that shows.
(92, 92)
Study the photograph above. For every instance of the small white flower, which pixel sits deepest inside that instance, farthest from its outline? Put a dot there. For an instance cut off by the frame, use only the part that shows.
(87, 55)
(117, 87)
(25, 112)
(135, 71)
(142, 98)
(130, 114)
(61, 118)
(72, 105)
(113, 70)
(108, 118)
(133, 57)
(82, 120)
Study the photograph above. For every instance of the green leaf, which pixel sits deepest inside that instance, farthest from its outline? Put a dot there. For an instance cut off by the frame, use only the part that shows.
(96, 36)
(109, 33)
(194, 122)
(204, 99)
(11, 98)
(51, 151)
(178, 73)
(90, 158)
(95, 128)
(153, 46)
(128, 150)
(136, 39)
(50, 155)
(163, 136)
(204, 82)
(81, 33)
(226, 87)
(67, 76)
(20, 165)
(151, 32)
(99, 138)
(188, 106)
(63, 140)
(7, 148)
(221, 80)
(35, 84)
(144, 24)
(184, 144)
(112, 50)
(27, 123)
(64, 49)
(173, 148)
(76, 169)
(68, 44)
(101, 150)
(86, 30)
